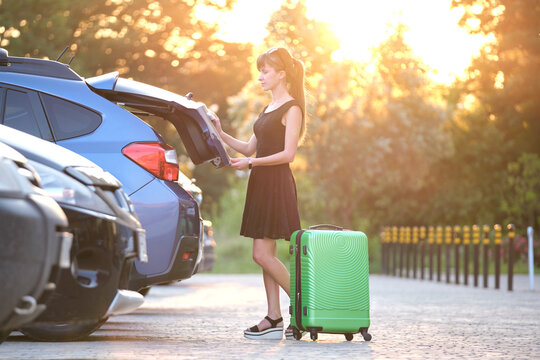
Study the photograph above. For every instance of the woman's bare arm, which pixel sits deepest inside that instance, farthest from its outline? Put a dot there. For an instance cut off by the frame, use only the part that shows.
(243, 147)
(293, 124)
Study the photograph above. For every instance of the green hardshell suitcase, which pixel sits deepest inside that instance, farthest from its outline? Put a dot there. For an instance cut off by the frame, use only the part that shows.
(329, 282)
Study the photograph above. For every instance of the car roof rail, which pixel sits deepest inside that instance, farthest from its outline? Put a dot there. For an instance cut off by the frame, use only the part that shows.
(39, 67)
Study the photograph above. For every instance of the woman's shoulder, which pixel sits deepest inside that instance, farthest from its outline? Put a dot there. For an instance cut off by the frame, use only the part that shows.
(293, 108)
(285, 107)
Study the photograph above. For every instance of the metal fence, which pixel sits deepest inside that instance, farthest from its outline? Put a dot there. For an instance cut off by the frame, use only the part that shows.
(422, 252)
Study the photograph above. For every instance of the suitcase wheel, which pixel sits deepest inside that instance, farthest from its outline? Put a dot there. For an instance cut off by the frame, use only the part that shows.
(297, 334)
(313, 335)
(349, 336)
(365, 334)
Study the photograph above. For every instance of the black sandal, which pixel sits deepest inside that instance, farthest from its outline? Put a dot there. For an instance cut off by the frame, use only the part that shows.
(272, 333)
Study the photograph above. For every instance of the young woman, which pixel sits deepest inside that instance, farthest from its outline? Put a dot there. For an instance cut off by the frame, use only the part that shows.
(271, 210)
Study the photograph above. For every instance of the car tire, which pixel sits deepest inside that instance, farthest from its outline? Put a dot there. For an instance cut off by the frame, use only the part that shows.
(51, 331)
(4, 335)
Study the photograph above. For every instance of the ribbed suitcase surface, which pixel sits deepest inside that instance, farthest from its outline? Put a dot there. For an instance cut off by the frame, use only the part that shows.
(330, 288)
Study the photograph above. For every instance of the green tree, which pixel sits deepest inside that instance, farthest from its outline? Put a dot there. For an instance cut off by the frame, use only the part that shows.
(505, 78)
(307, 39)
(495, 110)
(374, 139)
(160, 43)
(156, 42)
(522, 201)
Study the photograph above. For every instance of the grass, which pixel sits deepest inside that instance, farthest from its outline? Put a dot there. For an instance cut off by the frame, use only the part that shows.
(233, 255)
(234, 252)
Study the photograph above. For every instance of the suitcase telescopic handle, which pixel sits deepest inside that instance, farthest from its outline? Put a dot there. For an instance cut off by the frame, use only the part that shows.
(326, 226)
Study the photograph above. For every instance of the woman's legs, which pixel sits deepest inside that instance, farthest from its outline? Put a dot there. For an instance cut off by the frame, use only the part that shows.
(264, 254)
(275, 274)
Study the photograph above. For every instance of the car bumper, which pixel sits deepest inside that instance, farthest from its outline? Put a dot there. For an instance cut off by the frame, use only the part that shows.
(102, 257)
(182, 265)
(35, 224)
(173, 233)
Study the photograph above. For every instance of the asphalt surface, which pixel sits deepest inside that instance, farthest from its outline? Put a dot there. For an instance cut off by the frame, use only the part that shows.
(203, 318)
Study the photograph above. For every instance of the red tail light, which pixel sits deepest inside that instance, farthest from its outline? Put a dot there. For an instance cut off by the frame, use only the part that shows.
(157, 158)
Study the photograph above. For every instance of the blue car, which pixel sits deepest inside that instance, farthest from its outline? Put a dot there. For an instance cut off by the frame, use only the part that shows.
(97, 118)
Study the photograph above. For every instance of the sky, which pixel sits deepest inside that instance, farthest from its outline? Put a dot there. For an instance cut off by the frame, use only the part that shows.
(433, 34)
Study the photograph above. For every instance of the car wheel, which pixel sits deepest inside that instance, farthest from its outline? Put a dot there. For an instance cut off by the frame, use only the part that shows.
(4, 335)
(51, 331)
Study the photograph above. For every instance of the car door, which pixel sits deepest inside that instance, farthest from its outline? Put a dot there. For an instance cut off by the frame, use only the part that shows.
(191, 119)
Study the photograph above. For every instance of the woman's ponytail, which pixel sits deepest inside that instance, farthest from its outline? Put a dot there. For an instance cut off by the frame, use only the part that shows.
(297, 89)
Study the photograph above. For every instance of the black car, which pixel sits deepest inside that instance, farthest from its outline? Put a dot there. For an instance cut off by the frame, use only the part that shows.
(107, 238)
(34, 242)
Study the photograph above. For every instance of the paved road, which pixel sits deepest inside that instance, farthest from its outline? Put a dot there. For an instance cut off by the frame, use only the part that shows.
(203, 318)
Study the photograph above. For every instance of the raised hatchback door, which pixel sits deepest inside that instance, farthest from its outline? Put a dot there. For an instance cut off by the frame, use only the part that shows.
(190, 118)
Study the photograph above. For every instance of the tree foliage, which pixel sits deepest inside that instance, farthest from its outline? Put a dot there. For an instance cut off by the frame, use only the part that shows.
(501, 120)
(384, 145)
(157, 42)
(522, 201)
(373, 139)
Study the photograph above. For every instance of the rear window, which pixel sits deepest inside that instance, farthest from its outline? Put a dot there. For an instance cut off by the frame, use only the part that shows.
(18, 113)
(69, 120)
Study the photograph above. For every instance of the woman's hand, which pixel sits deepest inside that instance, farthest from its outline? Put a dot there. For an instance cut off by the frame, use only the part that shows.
(216, 122)
(239, 163)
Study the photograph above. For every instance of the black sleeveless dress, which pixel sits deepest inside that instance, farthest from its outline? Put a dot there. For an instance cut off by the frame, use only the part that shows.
(271, 208)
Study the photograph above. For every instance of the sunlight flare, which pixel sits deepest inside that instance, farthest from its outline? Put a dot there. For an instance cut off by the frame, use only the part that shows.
(433, 32)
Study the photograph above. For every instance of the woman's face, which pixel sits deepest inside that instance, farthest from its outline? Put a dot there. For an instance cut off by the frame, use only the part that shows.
(270, 78)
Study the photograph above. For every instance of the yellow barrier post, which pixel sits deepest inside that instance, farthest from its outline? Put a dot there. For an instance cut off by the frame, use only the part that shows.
(511, 236)
(407, 249)
(415, 249)
(439, 246)
(485, 241)
(431, 241)
(457, 242)
(466, 242)
(401, 242)
(388, 241)
(387, 245)
(422, 250)
(497, 243)
(476, 253)
(447, 245)
(394, 249)
(383, 251)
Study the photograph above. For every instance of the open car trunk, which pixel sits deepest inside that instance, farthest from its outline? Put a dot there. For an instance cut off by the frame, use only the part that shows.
(190, 118)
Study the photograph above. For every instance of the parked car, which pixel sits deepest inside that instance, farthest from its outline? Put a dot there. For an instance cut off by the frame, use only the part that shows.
(209, 244)
(34, 242)
(48, 99)
(106, 239)
(209, 248)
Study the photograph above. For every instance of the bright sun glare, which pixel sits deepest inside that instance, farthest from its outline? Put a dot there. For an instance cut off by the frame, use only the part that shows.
(433, 34)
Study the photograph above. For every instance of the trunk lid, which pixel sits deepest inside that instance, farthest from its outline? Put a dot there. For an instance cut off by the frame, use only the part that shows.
(191, 119)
